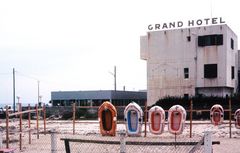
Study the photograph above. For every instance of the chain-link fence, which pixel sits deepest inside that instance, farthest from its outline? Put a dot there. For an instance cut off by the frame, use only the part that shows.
(61, 143)
(94, 143)
(20, 141)
(87, 139)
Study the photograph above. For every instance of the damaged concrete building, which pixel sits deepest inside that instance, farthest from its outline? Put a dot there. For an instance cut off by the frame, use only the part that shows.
(190, 61)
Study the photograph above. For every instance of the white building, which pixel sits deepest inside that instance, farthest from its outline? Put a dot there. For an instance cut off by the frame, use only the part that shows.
(190, 61)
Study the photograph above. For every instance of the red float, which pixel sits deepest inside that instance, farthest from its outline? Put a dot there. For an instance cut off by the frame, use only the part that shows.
(217, 114)
(237, 119)
(156, 119)
(176, 119)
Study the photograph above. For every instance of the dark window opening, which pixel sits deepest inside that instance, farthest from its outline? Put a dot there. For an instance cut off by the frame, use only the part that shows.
(233, 72)
(186, 73)
(210, 40)
(219, 39)
(186, 96)
(232, 43)
(210, 70)
(188, 38)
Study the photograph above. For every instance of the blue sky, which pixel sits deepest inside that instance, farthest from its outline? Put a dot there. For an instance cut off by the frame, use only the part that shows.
(73, 45)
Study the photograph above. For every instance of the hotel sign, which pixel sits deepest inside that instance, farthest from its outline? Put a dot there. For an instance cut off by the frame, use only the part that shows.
(189, 23)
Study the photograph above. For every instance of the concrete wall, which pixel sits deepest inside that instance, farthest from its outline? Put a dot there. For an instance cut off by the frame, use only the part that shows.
(232, 59)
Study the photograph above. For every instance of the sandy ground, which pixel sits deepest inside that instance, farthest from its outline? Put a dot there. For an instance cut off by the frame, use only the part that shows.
(90, 130)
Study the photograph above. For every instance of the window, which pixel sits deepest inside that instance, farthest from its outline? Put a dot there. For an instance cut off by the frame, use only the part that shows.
(210, 70)
(186, 73)
(232, 72)
(186, 96)
(232, 43)
(219, 39)
(201, 41)
(210, 40)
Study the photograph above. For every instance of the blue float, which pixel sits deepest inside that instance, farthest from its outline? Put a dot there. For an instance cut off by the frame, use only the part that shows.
(133, 116)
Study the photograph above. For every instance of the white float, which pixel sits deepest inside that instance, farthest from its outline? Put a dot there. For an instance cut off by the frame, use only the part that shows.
(156, 118)
(176, 119)
(216, 114)
(237, 119)
(133, 116)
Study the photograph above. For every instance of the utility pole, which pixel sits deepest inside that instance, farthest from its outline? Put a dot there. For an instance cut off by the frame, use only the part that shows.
(40, 101)
(115, 78)
(114, 73)
(38, 92)
(18, 103)
(14, 90)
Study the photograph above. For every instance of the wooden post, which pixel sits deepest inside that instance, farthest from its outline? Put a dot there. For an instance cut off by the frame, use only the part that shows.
(37, 121)
(191, 107)
(29, 124)
(230, 118)
(7, 128)
(20, 125)
(44, 118)
(74, 116)
(175, 140)
(145, 119)
(1, 138)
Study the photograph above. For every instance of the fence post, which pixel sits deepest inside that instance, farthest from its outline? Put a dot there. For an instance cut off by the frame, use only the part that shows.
(191, 107)
(1, 138)
(122, 142)
(145, 119)
(230, 118)
(74, 116)
(7, 128)
(44, 118)
(53, 141)
(207, 142)
(29, 125)
(37, 121)
(20, 125)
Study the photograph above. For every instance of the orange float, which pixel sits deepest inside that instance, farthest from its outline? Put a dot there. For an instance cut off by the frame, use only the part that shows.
(107, 116)
(237, 119)
(217, 114)
(156, 120)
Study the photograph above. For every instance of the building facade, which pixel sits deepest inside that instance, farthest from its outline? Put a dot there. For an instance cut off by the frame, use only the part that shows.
(190, 61)
(97, 97)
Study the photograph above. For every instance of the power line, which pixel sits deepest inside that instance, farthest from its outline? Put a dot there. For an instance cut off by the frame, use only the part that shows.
(5, 73)
(27, 76)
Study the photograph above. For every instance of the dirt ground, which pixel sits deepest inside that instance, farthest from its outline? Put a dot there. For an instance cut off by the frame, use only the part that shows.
(90, 129)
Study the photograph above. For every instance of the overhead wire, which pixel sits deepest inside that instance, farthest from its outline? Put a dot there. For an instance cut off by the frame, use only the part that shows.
(5, 73)
(27, 76)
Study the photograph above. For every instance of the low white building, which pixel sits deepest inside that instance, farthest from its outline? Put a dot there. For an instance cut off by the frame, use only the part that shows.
(190, 61)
